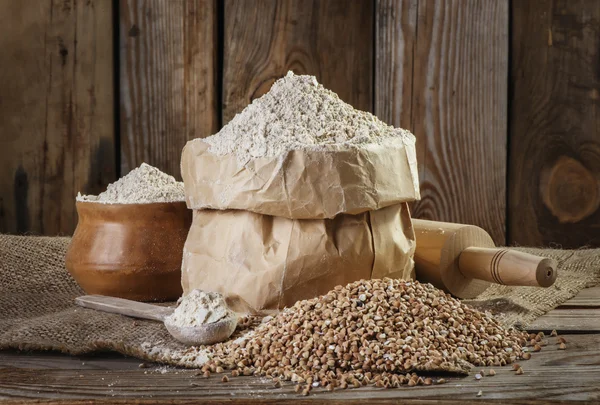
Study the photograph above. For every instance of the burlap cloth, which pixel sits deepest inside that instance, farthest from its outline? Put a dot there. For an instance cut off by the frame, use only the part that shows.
(37, 310)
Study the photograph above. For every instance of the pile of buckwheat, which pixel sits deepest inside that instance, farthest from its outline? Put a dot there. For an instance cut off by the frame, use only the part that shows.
(370, 332)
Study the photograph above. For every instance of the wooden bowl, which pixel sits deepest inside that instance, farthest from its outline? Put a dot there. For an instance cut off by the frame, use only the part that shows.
(131, 251)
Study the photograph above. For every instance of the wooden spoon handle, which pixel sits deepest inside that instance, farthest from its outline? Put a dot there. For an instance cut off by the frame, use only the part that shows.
(507, 267)
(124, 307)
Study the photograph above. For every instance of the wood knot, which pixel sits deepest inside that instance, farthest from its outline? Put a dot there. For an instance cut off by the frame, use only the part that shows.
(569, 190)
(63, 51)
(134, 31)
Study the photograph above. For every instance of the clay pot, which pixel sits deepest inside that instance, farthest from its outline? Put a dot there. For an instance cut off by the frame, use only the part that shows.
(129, 251)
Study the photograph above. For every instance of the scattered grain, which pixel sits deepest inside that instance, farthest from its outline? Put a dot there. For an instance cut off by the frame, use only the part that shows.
(387, 328)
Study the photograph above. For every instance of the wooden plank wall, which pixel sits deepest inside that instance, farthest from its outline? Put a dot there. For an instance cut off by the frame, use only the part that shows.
(441, 72)
(331, 39)
(554, 175)
(168, 79)
(502, 99)
(56, 111)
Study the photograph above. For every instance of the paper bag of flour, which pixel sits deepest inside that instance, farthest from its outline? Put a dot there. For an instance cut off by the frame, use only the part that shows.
(301, 152)
(261, 262)
(298, 193)
(306, 183)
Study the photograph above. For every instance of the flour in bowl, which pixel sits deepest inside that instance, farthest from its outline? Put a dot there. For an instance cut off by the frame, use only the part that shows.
(143, 185)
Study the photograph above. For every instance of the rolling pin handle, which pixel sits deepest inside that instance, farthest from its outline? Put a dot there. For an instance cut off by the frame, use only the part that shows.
(507, 267)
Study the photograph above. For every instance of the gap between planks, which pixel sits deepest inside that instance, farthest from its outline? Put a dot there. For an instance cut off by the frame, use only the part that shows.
(581, 314)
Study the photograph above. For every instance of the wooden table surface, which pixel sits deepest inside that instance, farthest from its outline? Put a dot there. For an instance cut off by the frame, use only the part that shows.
(550, 376)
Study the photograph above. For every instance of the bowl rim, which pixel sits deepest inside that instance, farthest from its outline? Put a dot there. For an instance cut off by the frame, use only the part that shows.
(104, 204)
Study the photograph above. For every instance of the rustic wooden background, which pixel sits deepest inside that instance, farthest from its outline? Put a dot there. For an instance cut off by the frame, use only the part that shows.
(502, 96)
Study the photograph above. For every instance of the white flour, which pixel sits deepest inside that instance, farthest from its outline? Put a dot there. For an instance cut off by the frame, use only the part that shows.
(298, 113)
(143, 185)
(190, 356)
(199, 308)
(193, 356)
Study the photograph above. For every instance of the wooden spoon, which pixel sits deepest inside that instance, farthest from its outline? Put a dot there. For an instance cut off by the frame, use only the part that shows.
(191, 335)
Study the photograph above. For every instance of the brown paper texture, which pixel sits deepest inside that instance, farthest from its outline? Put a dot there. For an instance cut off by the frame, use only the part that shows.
(303, 184)
(262, 262)
(394, 241)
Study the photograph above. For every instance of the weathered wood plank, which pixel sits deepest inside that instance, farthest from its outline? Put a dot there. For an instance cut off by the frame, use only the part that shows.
(53, 360)
(168, 75)
(554, 143)
(588, 297)
(295, 401)
(569, 320)
(460, 112)
(395, 36)
(452, 58)
(551, 374)
(56, 102)
(331, 39)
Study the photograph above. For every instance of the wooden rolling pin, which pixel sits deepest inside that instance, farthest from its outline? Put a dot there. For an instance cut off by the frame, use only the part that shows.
(463, 260)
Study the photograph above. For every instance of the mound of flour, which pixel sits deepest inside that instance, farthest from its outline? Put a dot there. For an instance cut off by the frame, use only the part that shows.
(200, 308)
(298, 113)
(143, 185)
